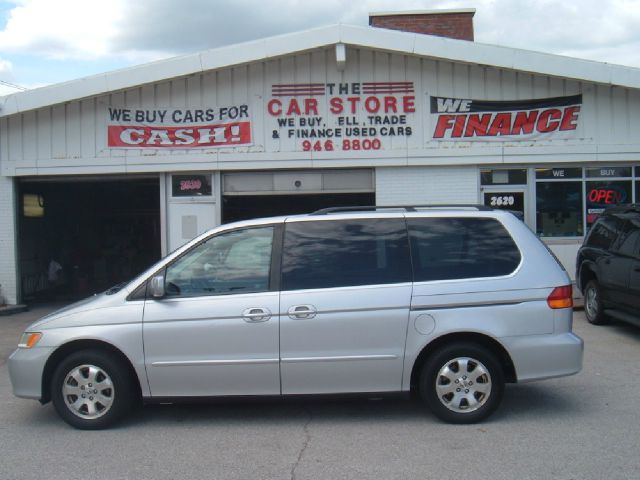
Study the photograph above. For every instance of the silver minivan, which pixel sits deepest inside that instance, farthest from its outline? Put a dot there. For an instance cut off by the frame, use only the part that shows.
(448, 303)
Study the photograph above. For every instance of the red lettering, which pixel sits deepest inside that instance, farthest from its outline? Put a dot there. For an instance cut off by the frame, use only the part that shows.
(336, 105)
(274, 107)
(524, 123)
(372, 104)
(549, 120)
(477, 125)
(458, 127)
(501, 125)
(390, 104)
(190, 184)
(408, 104)
(293, 107)
(310, 106)
(608, 196)
(354, 103)
(570, 118)
(611, 197)
(445, 122)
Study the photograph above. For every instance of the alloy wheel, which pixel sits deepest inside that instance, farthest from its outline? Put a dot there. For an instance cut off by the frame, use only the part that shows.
(88, 391)
(463, 385)
(591, 302)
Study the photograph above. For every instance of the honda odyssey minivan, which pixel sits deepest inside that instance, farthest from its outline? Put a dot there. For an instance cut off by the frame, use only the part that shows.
(448, 303)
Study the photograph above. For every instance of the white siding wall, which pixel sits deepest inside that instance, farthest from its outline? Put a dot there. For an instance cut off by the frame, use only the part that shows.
(426, 185)
(7, 240)
(71, 138)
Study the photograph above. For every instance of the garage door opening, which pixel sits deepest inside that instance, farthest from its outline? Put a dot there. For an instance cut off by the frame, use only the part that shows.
(264, 194)
(78, 237)
(236, 208)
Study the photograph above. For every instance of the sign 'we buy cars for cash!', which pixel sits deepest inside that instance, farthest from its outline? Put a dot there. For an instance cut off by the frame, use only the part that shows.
(178, 127)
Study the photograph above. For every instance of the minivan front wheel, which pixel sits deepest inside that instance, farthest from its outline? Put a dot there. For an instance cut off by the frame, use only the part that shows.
(462, 383)
(593, 304)
(91, 389)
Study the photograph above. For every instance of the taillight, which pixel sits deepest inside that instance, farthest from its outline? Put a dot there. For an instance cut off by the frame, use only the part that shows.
(561, 297)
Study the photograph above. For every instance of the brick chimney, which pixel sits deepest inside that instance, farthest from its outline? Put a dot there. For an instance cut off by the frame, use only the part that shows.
(442, 23)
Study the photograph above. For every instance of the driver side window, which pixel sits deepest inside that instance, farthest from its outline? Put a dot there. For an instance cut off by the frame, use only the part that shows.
(233, 262)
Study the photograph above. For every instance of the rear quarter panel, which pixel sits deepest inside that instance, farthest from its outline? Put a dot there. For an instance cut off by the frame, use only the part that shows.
(499, 307)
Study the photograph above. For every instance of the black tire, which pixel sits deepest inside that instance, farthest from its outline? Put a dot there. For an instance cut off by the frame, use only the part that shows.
(593, 308)
(483, 382)
(113, 386)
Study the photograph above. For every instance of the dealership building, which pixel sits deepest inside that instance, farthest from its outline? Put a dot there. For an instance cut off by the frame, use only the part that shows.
(101, 176)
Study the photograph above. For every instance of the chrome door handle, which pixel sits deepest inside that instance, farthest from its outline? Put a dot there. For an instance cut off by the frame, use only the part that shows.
(298, 312)
(255, 315)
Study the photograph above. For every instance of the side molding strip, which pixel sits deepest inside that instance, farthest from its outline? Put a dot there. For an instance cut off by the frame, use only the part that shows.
(338, 358)
(191, 363)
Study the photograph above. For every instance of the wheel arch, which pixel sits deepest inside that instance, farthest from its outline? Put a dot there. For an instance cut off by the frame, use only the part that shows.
(587, 273)
(67, 349)
(484, 340)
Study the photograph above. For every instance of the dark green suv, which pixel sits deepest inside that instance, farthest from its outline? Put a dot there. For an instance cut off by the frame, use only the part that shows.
(608, 267)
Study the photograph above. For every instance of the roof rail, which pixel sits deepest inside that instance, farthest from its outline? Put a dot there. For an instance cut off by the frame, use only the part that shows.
(624, 208)
(405, 208)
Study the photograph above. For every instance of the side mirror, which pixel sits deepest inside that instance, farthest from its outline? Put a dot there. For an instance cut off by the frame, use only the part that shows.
(156, 286)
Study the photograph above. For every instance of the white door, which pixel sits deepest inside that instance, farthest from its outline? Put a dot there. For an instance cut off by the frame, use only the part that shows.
(216, 330)
(191, 207)
(188, 220)
(344, 305)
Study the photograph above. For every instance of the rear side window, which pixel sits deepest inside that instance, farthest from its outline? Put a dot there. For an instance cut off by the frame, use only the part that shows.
(628, 242)
(454, 248)
(341, 253)
(604, 232)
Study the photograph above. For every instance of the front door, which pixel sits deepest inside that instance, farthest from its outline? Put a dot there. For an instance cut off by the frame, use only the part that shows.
(346, 291)
(216, 330)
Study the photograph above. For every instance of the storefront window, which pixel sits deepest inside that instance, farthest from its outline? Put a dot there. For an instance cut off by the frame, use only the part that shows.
(558, 173)
(608, 172)
(603, 194)
(559, 209)
(514, 176)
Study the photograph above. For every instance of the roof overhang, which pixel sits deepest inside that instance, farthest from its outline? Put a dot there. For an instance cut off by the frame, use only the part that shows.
(293, 43)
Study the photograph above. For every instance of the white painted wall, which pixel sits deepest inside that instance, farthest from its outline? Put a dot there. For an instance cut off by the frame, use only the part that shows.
(7, 240)
(71, 138)
(426, 185)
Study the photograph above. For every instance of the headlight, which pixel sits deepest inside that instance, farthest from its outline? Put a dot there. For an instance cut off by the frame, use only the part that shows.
(29, 339)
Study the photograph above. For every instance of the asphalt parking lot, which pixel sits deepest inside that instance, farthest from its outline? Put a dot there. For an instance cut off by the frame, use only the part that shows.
(581, 427)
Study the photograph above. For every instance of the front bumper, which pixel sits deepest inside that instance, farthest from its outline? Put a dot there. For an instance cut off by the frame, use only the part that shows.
(536, 357)
(25, 371)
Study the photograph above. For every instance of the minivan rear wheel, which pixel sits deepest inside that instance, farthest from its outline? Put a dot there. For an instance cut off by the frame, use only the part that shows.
(462, 383)
(593, 310)
(91, 390)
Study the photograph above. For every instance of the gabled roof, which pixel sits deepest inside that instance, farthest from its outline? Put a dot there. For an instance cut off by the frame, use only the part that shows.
(292, 43)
